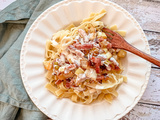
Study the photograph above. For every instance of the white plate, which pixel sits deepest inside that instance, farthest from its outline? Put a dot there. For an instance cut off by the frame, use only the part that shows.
(56, 18)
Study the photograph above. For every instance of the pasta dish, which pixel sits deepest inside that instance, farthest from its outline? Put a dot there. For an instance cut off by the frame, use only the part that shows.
(81, 63)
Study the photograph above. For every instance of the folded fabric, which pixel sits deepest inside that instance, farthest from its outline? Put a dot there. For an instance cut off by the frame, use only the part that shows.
(10, 112)
(15, 21)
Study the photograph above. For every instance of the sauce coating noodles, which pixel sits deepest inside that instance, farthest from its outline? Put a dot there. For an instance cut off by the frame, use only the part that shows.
(81, 63)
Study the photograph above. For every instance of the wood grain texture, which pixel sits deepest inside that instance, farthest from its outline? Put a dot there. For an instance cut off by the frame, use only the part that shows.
(143, 112)
(154, 43)
(147, 13)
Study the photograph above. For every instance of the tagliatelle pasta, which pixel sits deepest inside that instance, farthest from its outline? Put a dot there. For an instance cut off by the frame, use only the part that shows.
(81, 63)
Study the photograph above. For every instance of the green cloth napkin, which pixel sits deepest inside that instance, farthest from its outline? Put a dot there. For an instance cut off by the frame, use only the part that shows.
(15, 21)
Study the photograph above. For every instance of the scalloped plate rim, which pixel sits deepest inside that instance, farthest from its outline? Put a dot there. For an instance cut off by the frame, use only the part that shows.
(55, 6)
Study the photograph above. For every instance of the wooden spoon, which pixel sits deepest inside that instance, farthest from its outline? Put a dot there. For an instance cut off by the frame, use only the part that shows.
(118, 41)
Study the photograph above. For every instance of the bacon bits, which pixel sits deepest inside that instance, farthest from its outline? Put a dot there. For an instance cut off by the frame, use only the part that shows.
(101, 77)
(100, 39)
(105, 44)
(109, 46)
(58, 82)
(83, 34)
(67, 85)
(85, 46)
(71, 67)
(117, 68)
(97, 62)
(72, 49)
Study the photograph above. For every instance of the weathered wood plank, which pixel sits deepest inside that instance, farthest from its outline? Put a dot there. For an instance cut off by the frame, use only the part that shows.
(154, 43)
(153, 0)
(143, 112)
(145, 12)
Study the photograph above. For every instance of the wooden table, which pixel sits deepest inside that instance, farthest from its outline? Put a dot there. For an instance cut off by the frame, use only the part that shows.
(147, 13)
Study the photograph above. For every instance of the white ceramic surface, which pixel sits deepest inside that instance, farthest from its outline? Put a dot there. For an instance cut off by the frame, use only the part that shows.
(56, 18)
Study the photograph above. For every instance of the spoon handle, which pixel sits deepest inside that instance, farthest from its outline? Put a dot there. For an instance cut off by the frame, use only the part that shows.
(147, 57)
